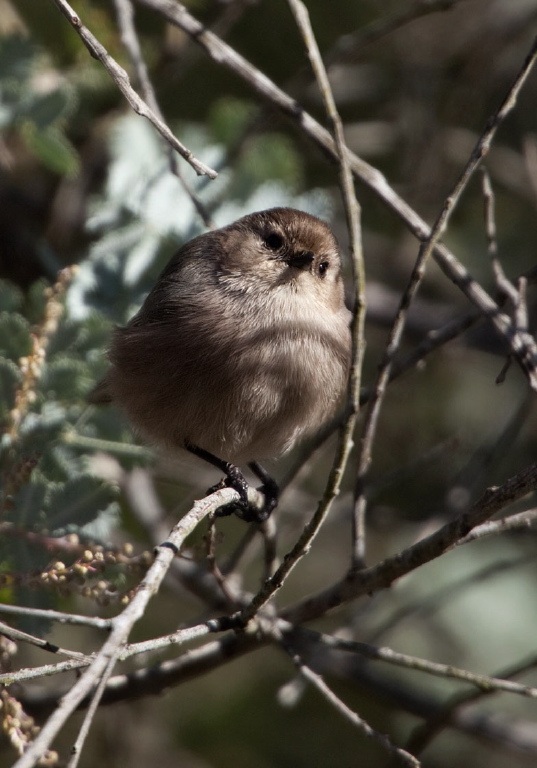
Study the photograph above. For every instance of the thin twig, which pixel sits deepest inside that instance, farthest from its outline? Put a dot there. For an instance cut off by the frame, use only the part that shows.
(76, 749)
(59, 616)
(504, 285)
(93, 444)
(490, 231)
(179, 637)
(403, 757)
(416, 277)
(45, 670)
(352, 213)
(482, 682)
(123, 623)
(220, 578)
(18, 636)
(425, 733)
(194, 577)
(348, 47)
(268, 531)
(121, 79)
(389, 570)
(129, 38)
(515, 522)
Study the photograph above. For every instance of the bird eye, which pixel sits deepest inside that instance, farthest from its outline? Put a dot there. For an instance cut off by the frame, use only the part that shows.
(273, 240)
(323, 268)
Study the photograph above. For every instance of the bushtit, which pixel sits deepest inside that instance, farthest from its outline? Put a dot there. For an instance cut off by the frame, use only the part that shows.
(241, 347)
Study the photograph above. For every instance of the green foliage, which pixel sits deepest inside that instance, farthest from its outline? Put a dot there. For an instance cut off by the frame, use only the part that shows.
(14, 336)
(72, 504)
(270, 157)
(47, 486)
(65, 378)
(10, 377)
(30, 502)
(11, 297)
(230, 118)
(52, 147)
(37, 113)
(17, 55)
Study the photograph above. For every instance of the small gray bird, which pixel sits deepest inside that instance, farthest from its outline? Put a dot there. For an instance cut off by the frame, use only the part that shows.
(241, 348)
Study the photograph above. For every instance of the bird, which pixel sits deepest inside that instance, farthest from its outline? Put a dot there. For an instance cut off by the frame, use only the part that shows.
(241, 348)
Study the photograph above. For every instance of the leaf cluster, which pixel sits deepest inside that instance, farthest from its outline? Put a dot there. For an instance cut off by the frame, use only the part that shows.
(36, 105)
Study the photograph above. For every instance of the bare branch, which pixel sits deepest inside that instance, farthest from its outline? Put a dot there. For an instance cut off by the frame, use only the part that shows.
(403, 757)
(129, 38)
(76, 749)
(59, 616)
(353, 214)
(121, 79)
(515, 522)
(18, 636)
(179, 637)
(482, 682)
(418, 273)
(102, 665)
(311, 529)
(426, 732)
(386, 572)
(348, 47)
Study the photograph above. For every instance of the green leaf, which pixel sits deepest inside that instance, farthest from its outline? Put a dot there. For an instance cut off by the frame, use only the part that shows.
(14, 336)
(10, 377)
(30, 502)
(60, 462)
(45, 110)
(78, 502)
(52, 147)
(270, 156)
(229, 117)
(65, 378)
(94, 336)
(11, 297)
(36, 300)
(66, 338)
(39, 430)
(141, 257)
(17, 54)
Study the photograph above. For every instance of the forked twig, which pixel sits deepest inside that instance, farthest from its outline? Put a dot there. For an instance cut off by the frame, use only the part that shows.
(121, 79)
(387, 571)
(102, 665)
(401, 755)
(125, 14)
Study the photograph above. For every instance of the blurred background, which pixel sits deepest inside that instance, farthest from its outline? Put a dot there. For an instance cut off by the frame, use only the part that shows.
(85, 181)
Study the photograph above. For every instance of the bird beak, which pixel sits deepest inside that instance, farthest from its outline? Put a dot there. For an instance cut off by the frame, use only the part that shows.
(300, 259)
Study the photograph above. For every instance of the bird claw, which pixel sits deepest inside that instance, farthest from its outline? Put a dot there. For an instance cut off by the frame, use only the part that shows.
(236, 480)
(242, 508)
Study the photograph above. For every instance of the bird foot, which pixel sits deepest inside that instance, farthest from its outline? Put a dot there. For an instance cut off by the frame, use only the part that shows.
(242, 508)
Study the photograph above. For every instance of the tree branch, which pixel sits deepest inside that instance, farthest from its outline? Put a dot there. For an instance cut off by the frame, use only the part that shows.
(121, 79)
